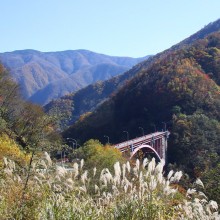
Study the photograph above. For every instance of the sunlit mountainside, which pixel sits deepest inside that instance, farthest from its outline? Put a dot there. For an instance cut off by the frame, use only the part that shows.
(44, 76)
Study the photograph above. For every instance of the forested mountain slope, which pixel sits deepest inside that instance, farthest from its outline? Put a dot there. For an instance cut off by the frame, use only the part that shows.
(24, 127)
(88, 98)
(46, 76)
(181, 78)
(208, 29)
(180, 89)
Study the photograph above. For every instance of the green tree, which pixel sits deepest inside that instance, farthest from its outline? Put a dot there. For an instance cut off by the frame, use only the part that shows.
(211, 180)
(99, 156)
(194, 138)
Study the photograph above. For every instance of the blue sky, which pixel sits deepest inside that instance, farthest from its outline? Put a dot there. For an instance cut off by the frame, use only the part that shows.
(116, 27)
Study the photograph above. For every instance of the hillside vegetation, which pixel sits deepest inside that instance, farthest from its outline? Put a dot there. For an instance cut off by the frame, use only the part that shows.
(177, 89)
(180, 89)
(44, 76)
(181, 78)
(9, 149)
(90, 97)
(32, 186)
(23, 123)
(128, 192)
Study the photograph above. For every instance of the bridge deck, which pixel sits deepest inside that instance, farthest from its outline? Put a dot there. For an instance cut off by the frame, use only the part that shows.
(123, 146)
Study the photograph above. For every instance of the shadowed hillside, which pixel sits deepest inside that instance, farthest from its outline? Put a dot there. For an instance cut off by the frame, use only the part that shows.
(88, 98)
(149, 99)
(180, 90)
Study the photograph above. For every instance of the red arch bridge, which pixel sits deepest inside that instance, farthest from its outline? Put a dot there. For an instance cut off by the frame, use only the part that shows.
(152, 143)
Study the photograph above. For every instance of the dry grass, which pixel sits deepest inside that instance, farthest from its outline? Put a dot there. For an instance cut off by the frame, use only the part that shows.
(138, 192)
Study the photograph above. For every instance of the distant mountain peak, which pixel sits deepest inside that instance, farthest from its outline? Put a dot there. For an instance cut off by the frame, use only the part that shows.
(44, 76)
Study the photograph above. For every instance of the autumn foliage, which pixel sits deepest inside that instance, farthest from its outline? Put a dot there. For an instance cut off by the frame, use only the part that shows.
(9, 149)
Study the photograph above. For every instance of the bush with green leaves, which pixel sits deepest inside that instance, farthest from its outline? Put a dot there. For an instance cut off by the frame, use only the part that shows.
(98, 155)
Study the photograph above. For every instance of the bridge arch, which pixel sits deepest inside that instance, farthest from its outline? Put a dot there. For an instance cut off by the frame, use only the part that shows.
(146, 147)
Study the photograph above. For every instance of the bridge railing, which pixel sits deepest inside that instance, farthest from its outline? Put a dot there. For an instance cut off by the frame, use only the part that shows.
(136, 142)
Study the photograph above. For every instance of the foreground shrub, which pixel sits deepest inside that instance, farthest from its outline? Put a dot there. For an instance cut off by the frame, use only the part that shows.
(138, 192)
(96, 155)
(9, 149)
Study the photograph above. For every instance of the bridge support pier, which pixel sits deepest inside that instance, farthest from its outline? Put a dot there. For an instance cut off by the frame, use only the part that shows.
(164, 146)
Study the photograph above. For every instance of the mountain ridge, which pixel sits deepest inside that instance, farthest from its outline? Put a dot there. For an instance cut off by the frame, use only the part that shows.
(204, 54)
(35, 70)
(87, 99)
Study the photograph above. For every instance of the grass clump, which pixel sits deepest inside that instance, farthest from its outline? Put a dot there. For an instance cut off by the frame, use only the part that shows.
(140, 191)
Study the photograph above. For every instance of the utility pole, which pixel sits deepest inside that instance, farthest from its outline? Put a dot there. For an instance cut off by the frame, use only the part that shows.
(142, 130)
(165, 126)
(127, 134)
(107, 138)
